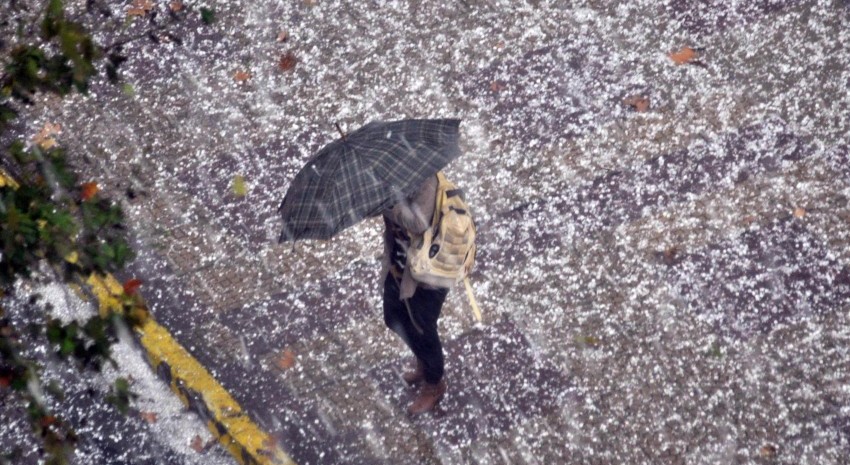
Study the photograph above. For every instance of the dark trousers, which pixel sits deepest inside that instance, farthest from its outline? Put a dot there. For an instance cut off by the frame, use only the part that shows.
(425, 306)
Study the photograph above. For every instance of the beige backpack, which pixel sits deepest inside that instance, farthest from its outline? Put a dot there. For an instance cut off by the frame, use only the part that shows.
(445, 254)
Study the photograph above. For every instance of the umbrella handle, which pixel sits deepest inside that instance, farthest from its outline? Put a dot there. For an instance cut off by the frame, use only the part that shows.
(340, 130)
(475, 310)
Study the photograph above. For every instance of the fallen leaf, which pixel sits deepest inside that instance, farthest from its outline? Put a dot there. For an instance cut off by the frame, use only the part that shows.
(269, 442)
(684, 55)
(149, 417)
(240, 188)
(5, 381)
(286, 359)
(72, 257)
(497, 86)
(140, 8)
(47, 420)
(799, 212)
(44, 138)
(639, 103)
(288, 61)
(241, 76)
(132, 285)
(88, 190)
(197, 444)
(591, 341)
(311, 3)
(176, 6)
(283, 36)
(767, 451)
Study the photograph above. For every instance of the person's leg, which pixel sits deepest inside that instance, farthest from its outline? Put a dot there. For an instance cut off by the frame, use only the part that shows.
(424, 341)
(394, 310)
(425, 307)
(422, 338)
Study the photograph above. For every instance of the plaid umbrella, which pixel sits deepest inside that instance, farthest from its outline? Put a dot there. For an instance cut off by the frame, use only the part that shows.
(363, 173)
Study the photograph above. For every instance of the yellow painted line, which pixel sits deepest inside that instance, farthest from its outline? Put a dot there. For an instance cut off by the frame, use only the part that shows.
(193, 384)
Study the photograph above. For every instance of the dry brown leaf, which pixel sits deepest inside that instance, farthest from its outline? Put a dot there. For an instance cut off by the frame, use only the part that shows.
(799, 212)
(767, 451)
(176, 6)
(288, 61)
(44, 138)
(140, 8)
(684, 55)
(149, 417)
(269, 443)
(241, 76)
(497, 86)
(283, 36)
(285, 360)
(197, 444)
(638, 103)
(88, 190)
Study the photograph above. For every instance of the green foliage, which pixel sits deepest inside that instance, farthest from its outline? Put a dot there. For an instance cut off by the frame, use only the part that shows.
(120, 395)
(66, 64)
(48, 218)
(207, 15)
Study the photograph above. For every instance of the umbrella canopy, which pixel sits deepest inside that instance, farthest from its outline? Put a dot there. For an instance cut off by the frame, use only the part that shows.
(363, 173)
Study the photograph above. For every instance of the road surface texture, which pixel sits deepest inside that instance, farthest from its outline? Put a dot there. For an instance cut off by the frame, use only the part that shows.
(662, 281)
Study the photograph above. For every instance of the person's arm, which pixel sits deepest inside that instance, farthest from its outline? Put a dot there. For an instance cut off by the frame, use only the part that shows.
(415, 214)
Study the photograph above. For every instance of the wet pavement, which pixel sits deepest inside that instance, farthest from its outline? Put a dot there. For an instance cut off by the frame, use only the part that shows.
(668, 286)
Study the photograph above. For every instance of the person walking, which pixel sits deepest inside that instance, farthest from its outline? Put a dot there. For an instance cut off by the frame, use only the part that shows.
(411, 308)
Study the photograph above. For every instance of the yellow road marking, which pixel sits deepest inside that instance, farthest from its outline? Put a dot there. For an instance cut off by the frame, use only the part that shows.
(234, 429)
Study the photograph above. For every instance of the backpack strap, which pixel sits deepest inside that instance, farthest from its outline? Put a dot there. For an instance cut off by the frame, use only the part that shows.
(442, 186)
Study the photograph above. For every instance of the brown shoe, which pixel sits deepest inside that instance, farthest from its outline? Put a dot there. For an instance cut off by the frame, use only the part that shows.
(428, 398)
(415, 376)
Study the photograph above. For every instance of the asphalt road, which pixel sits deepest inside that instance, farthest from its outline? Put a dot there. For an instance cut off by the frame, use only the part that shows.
(667, 285)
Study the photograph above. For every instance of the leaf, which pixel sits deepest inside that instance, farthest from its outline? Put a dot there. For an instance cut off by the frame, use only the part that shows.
(799, 212)
(497, 86)
(288, 61)
(44, 138)
(131, 286)
(176, 6)
(207, 15)
(767, 451)
(72, 257)
(590, 341)
(241, 76)
(638, 103)
(88, 190)
(149, 417)
(140, 8)
(283, 36)
(285, 360)
(197, 444)
(128, 90)
(684, 55)
(47, 420)
(240, 189)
